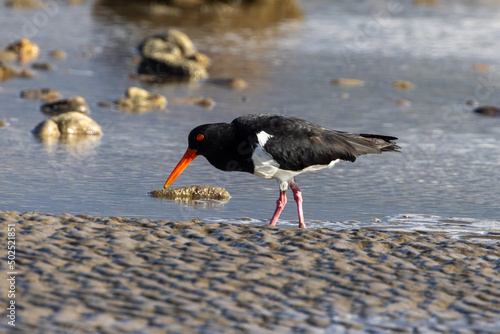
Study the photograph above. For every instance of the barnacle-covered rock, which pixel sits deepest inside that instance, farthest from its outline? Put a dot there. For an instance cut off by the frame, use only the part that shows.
(192, 193)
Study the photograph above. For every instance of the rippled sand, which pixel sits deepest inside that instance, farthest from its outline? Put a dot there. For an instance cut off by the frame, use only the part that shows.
(82, 274)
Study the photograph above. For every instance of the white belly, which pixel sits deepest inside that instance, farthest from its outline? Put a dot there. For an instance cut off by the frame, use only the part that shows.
(266, 167)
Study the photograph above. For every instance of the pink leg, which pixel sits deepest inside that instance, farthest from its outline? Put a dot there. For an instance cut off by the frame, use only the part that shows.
(280, 204)
(297, 195)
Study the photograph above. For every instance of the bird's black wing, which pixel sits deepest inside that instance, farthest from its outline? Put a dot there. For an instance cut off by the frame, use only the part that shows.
(296, 143)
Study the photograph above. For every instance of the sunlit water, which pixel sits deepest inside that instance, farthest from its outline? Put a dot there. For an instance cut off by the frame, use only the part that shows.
(447, 173)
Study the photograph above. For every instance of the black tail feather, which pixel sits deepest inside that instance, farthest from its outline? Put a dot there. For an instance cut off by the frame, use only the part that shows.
(383, 143)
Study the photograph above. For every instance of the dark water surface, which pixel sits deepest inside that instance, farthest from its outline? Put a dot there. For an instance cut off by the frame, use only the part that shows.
(449, 165)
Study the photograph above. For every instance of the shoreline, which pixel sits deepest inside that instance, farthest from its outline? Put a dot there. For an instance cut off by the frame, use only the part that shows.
(110, 274)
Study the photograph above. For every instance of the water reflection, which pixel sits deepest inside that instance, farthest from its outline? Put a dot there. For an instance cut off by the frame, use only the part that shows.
(222, 17)
(235, 39)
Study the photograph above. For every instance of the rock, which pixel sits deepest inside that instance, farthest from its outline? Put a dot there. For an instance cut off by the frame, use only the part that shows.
(172, 54)
(402, 102)
(234, 83)
(40, 94)
(43, 66)
(26, 73)
(425, 2)
(76, 103)
(205, 102)
(489, 111)
(201, 59)
(139, 100)
(481, 67)
(70, 123)
(58, 54)
(6, 56)
(7, 72)
(26, 4)
(105, 104)
(2, 123)
(347, 82)
(24, 49)
(168, 65)
(164, 42)
(192, 193)
(403, 85)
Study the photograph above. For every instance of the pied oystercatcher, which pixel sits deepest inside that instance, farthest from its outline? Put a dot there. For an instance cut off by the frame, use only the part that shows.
(279, 147)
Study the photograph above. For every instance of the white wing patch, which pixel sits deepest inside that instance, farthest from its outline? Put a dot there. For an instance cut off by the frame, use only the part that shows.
(266, 167)
(263, 137)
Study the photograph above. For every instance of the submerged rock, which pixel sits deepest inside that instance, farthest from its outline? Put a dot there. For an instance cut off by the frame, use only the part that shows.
(489, 111)
(58, 54)
(76, 103)
(347, 82)
(26, 4)
(24, 49)
(40, 94)
(43, 66)
(192, 193)
(70, 123)
(172, 54)
(234, 83)
(205, 102)
(140, 100)
(6, 56)
(7, 72)
(403, 85)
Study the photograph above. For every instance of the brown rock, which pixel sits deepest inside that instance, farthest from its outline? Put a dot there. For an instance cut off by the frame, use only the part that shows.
(347, 82)
(24, 49)
(489, 111)
(58, 54)
(40, 94)
(7, 72)
(140, 100)
(76, 103)
(403, 85)
(70, 123)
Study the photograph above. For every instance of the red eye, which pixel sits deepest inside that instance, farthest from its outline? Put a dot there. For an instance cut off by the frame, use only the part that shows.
(200, 137)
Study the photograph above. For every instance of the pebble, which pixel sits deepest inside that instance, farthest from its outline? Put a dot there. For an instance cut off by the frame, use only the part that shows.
(205, 102)
(7, 72)
(40, 94)
(24, 49)
(26, 4)
(347, 82)
(489, 111)
(76, 103)
(403, 85)
(43, 66)
(234, 83)
(58, 54)
(140, 100)
(199, 277)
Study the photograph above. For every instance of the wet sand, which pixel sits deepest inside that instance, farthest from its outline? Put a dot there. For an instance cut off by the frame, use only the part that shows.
(83, 274)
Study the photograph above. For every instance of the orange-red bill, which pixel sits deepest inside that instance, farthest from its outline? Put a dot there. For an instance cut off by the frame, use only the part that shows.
(185, 161)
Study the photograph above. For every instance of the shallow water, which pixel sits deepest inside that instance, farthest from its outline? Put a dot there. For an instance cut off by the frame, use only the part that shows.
(450, 157)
